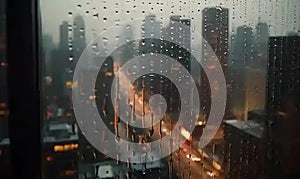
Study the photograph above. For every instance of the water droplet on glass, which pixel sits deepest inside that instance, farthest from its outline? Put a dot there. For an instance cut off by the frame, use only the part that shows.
(96, 16)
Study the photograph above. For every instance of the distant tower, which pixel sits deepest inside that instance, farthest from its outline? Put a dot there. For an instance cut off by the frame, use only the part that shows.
(151, 27)
(79, 40)
(180, 32)
(246, 94)
(215, 32)
(151, 33)
(128, 48)
(242, 47)
(48, 46)
(177, 46)
(261, 46)
(63, 35)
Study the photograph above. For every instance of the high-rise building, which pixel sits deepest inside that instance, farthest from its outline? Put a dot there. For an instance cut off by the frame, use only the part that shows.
(291, 11)
(151, 27)
(283, 72)
(175, 44)
(179, 31)
(128, 48)
(242, 48)
(79, 40)
(241, 55)
(59, 62)
(248, 59)
(102, 95)
(245, 150)
(48, 46)
(283, 105)
(254, 90)
(248, 94)
(261, 46)
(215, 32)
(150, 34)
(63, 35)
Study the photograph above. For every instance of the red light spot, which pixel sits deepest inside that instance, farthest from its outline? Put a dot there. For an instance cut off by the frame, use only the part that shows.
(3, 64)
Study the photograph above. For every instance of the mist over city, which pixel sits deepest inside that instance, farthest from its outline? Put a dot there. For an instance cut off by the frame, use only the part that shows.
(174, 89)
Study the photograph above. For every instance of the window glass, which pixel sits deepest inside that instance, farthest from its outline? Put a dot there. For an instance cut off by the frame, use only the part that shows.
(173, 89)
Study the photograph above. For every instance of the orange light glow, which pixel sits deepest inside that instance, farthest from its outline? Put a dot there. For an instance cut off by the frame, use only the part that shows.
(108, 73)
(69, 84)
(69, 172)
(49, 158)
(66, 147)
(186, 134)
(216, 165)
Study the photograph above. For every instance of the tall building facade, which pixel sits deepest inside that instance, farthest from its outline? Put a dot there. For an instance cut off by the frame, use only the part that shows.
(248, 58)
(48, 46)
(283, 71)
(63, 35)
(215, 32)
(245, 149)
(79, 40)
(283, 105)
(260, 59)
(242, 48)
(176, 45)
(179, 30)
(102, 92)
(241, 55)
(59, 62)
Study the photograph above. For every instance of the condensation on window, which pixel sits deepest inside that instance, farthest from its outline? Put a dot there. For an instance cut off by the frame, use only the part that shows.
(184, 89)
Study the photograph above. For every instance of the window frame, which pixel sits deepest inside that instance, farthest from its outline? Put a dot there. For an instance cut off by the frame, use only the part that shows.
(24, 88)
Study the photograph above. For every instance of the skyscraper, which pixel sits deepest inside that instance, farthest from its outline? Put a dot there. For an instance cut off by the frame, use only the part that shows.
(48, 46)
(151, 34)
(63, 35)
(151, 27)
(283, 104)
(242, 48)
(215, 32)
(245, 150)
(261, 46)
(59, 61)
(79, 40)
(179, 31)
(128, 48)
(283, 72)
(248, 54)
(175, 44)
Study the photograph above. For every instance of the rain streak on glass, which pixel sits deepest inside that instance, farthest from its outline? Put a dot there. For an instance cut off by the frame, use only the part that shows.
(256, 44)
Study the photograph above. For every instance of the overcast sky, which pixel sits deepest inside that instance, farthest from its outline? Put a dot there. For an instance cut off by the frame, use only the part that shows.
(281, 15)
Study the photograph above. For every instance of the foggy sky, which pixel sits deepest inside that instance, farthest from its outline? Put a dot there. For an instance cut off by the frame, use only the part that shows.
(281, 15)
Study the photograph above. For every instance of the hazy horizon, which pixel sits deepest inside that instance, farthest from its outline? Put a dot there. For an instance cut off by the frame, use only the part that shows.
(282, 16)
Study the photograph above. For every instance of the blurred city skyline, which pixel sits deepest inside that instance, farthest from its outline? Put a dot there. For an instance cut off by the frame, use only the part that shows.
(97, 16)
